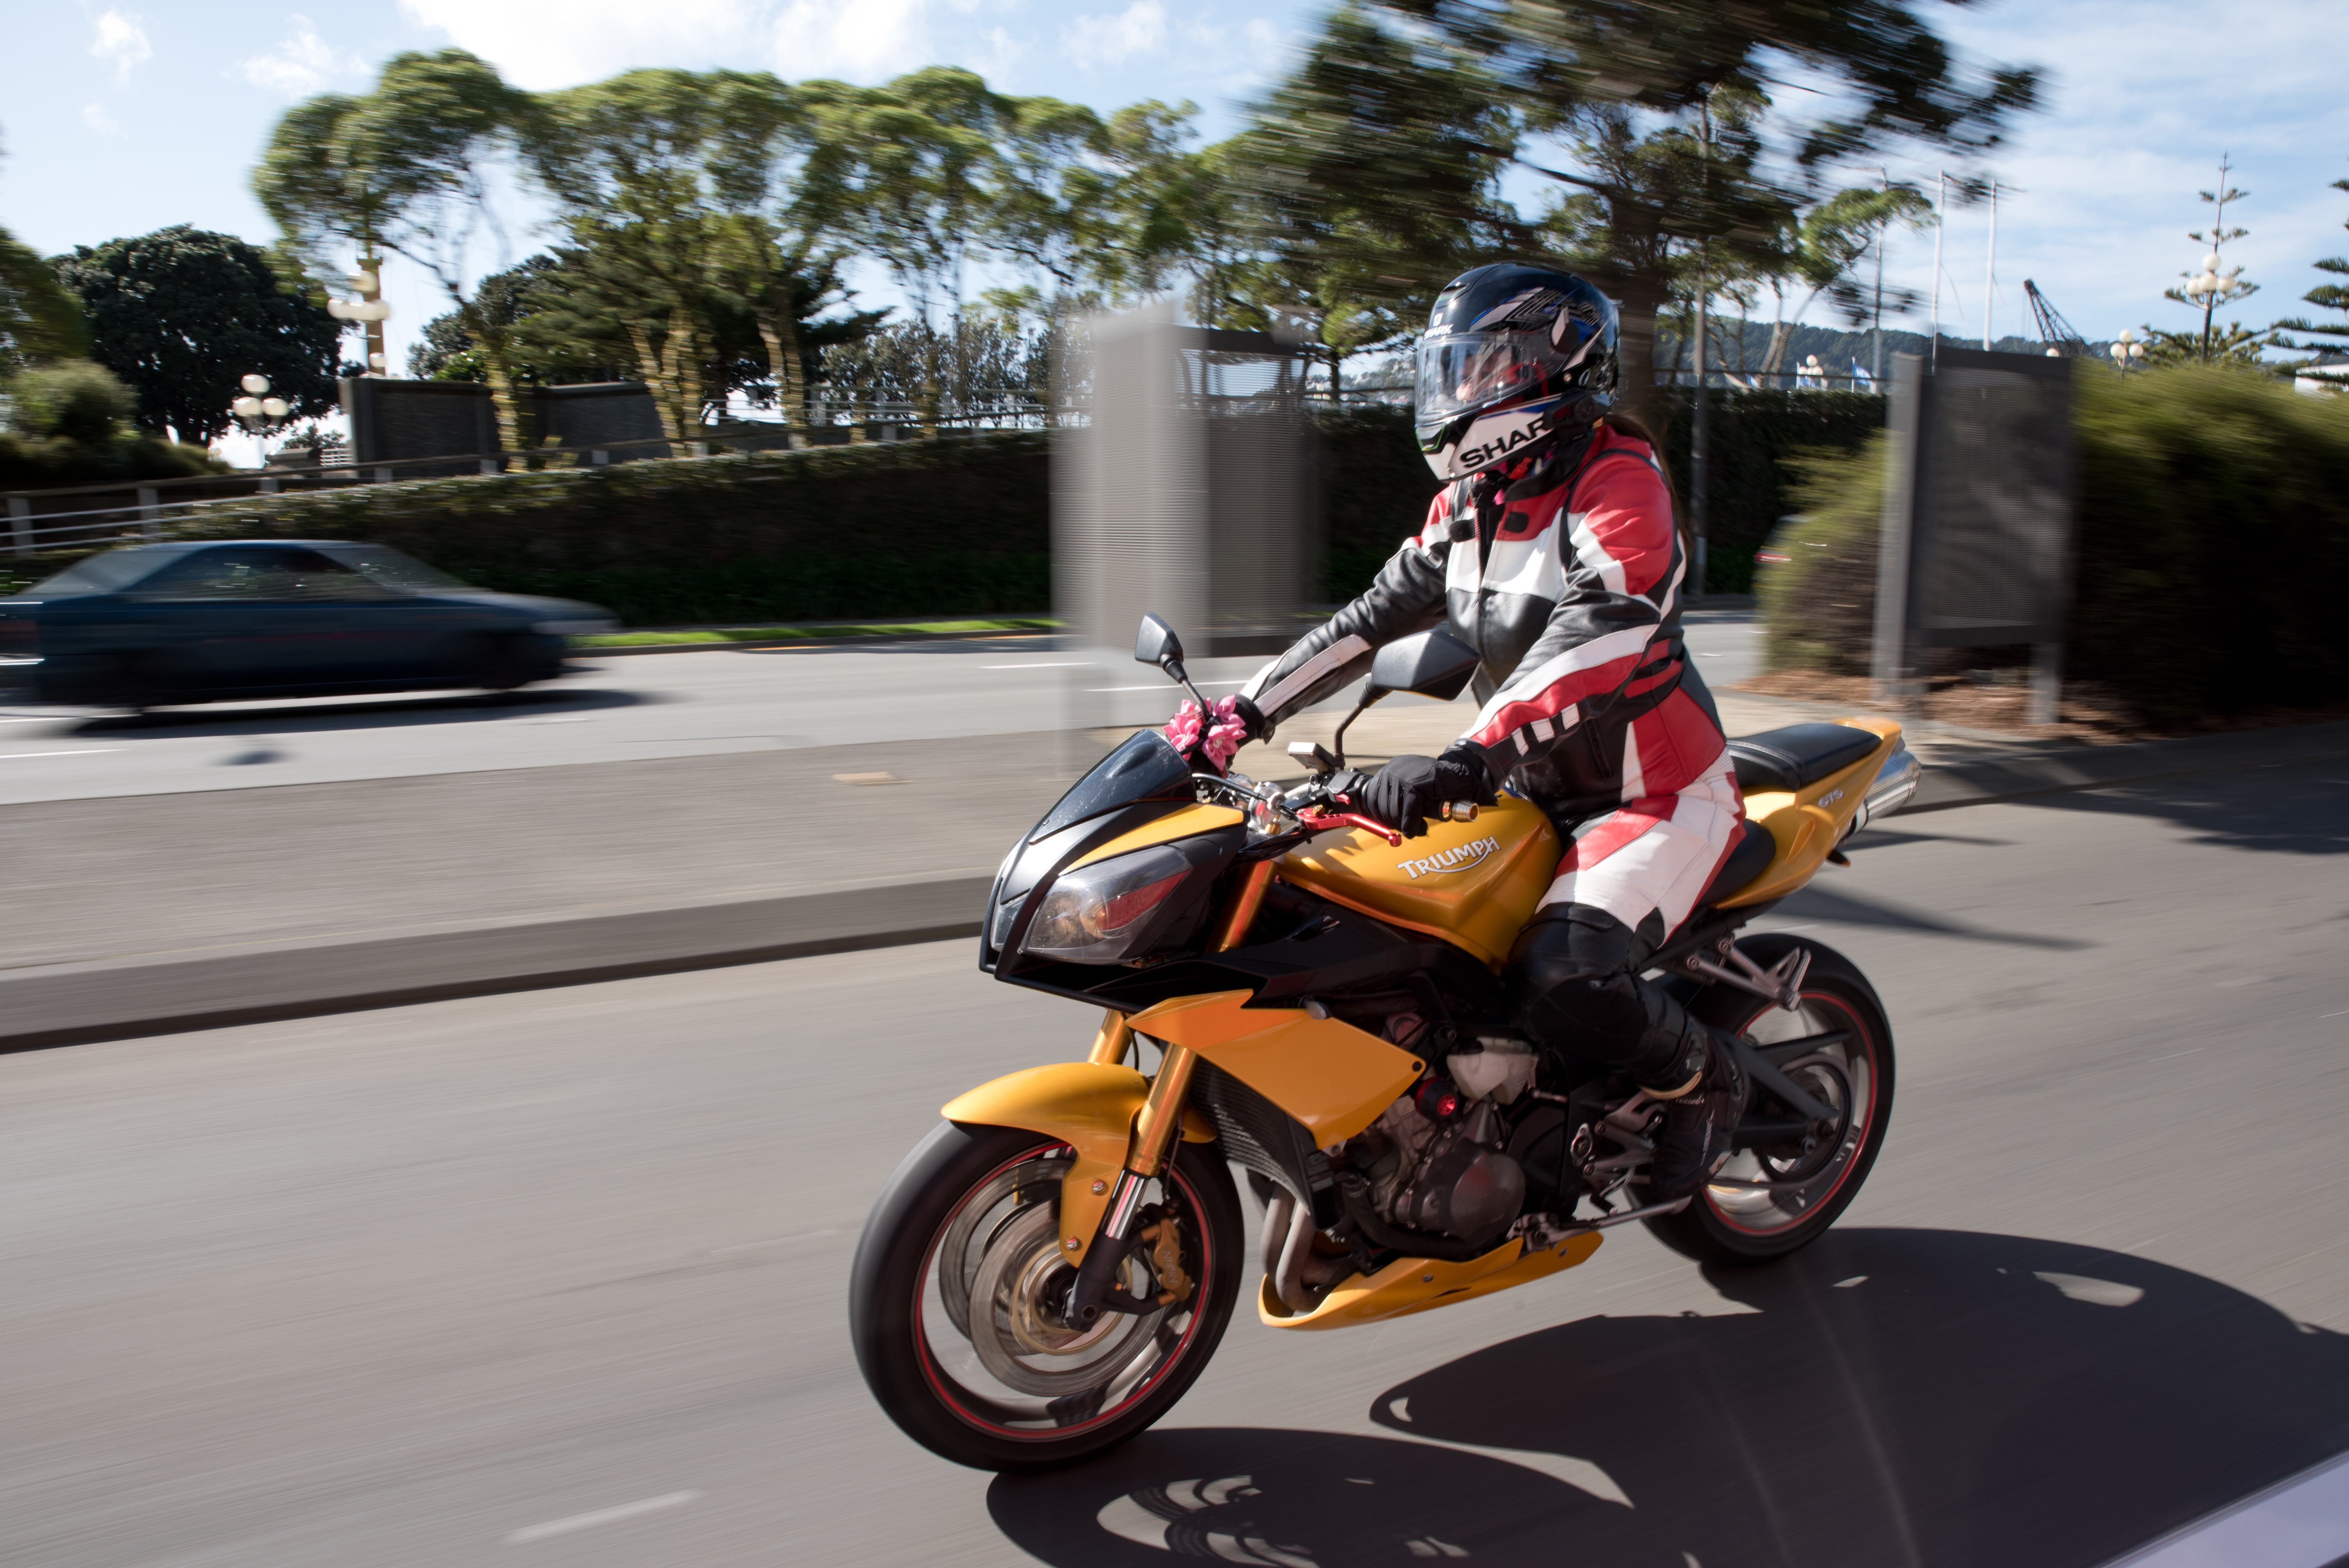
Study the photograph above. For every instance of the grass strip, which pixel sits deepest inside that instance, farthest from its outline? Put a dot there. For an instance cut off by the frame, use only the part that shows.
(721, 636)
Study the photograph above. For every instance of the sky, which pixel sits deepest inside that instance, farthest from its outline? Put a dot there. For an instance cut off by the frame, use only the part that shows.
(120, 117)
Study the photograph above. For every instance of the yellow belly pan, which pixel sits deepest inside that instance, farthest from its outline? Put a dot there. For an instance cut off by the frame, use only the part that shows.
(1475, 884)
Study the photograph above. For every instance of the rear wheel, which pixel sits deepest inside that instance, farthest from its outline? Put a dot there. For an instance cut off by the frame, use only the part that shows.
(1776, 1196)
(953, 1301)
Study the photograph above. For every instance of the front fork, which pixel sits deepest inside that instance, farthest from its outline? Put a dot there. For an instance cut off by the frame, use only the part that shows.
(1155, 1127)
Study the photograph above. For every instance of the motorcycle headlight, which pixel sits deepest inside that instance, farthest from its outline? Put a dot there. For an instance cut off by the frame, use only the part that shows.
(1106, 911)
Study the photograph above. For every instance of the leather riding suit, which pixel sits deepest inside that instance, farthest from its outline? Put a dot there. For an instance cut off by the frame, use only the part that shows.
(1565, 574)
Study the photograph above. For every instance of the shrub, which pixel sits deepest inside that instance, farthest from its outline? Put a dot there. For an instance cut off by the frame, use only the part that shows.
(2213, 533)
(71, 400)
(68, 425)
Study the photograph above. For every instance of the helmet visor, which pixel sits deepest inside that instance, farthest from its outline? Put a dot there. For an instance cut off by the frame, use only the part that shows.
(1460, 371)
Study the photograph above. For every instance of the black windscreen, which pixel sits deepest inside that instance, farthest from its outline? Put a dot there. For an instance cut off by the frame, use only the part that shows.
(1147, 767)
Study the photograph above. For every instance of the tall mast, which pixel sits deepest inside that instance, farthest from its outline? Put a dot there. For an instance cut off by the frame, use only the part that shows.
(1989, 270)
(1940, 221)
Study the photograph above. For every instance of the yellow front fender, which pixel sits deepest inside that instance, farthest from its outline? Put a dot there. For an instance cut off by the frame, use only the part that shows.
(1089, 1106)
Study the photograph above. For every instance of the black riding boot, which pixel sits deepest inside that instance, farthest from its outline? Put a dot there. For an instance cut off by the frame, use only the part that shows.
(1573, 978)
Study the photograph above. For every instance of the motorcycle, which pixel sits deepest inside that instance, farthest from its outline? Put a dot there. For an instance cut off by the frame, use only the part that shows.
(1048, 1271)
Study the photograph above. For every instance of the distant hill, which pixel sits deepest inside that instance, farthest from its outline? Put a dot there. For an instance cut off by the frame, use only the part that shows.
(1837, 350)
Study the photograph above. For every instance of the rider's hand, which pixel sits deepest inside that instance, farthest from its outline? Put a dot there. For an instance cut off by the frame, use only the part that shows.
(1409, 789)
(1214, 740)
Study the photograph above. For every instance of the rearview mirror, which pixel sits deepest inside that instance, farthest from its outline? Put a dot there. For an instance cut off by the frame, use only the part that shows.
(1156, 644)
(1429, 664)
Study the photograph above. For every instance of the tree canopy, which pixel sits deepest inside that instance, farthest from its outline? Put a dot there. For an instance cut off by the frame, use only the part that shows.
(182, 315)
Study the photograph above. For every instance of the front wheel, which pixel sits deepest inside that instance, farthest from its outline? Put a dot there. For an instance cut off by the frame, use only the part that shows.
(1777, 1196)
(954, 1297)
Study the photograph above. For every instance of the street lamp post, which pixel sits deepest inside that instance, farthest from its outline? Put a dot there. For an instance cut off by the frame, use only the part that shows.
(370, 308)
(2211, 288)
(259, 412)
(2126, 350)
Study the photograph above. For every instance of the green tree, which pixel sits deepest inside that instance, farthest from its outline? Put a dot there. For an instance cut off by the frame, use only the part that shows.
(407, 168)
(2332, 296)
(1370, 178)
(39, 318)
(2213, 285)
(183, 314)
(1624, 88)
(1818, 251)
(652, 168)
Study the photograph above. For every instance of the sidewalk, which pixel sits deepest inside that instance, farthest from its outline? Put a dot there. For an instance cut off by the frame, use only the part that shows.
(153, 915)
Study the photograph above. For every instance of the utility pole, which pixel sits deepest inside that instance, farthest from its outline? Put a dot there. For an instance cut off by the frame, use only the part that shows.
(1876, 377)
(1700, 435)
(1940, 222)
(1989, 270)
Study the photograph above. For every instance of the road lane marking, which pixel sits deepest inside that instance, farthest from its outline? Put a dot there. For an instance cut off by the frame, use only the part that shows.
(1055, 665)
(1161, 685)
(83, 751)
(530, 1532)
(2343, 1014)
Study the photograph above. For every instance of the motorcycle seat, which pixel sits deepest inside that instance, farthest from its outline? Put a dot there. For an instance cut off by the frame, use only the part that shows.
(1800, 754)
(1748, 859)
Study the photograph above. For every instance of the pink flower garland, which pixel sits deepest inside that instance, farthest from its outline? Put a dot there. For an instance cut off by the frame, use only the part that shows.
(1224, 736)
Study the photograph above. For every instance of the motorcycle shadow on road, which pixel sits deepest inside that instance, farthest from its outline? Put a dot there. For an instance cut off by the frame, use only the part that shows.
(1891, 1398)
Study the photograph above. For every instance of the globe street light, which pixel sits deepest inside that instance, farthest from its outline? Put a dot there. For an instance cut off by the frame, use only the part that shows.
(259, 414)
(2126, 350)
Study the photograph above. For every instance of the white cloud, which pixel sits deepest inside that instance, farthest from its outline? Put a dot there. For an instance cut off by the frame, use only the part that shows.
(2143, 96)
(122, 40)
(858, 39)
(94, 116)
(1096, 41)
(301, 64)
(544, 44)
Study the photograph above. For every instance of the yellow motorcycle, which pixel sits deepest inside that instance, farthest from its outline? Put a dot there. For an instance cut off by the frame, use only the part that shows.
(1048, 1271)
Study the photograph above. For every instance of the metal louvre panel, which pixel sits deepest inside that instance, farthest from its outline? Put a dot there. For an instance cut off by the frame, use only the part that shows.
(1182, 484)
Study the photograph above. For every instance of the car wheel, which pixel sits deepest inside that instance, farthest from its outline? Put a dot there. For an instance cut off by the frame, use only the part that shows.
(500, 663)
(135, 681)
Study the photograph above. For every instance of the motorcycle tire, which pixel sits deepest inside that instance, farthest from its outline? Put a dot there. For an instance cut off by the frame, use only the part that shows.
(915, 1354)
(1737, 1225)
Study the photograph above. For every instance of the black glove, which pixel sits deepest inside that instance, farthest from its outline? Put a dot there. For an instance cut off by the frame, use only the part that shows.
(1259, 726)
(1409, 789)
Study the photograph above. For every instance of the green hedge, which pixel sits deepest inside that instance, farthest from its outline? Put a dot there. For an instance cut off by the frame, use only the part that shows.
(927, 528)
(2214, 535)
(952, 526)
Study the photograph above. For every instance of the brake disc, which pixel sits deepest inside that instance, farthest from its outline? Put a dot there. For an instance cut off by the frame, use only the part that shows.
(1015, 1323)
(955, 1265)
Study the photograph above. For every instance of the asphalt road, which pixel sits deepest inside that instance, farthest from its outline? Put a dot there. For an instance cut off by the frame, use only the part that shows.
(558, 1276)
(639, 707)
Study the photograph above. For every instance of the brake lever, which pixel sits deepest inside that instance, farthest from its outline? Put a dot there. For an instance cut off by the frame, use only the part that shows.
(1319, 822)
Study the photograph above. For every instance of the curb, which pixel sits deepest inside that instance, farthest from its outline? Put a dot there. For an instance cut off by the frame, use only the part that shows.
(76, 1005)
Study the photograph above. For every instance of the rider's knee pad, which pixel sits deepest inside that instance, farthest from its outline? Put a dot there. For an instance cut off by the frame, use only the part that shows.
(1574, 984)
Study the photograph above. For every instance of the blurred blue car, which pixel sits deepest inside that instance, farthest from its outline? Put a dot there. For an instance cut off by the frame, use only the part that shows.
(160, 623)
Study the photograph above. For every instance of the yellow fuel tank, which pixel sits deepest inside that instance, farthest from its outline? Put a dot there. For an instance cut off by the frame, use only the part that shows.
(1475, 884)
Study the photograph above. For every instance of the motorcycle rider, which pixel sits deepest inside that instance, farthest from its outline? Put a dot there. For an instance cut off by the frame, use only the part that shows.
(1553, 550)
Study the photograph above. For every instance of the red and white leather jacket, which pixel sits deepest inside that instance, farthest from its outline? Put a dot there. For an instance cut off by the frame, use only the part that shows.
(1565, 574)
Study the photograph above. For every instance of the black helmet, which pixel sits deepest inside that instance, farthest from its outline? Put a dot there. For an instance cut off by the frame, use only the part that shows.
(1512, 356)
